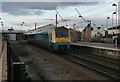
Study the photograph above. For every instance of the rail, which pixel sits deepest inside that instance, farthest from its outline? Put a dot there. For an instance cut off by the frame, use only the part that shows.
(111, 72)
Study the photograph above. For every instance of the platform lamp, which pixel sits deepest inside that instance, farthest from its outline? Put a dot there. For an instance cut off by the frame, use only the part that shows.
(74, 26)
(113, 20)
(107, 29)
(22, 24)
(116, 23)
(2, 25)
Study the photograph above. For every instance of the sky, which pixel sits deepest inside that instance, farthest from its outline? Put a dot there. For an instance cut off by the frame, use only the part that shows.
(14, 12)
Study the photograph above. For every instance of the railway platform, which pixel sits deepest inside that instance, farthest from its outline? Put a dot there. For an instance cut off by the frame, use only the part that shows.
(102, 49)
(96, 44)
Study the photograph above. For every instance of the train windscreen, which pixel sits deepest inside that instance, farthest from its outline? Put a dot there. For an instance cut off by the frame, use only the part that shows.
(61, 32)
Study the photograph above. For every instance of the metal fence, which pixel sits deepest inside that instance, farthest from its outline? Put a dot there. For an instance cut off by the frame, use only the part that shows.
(16, 68)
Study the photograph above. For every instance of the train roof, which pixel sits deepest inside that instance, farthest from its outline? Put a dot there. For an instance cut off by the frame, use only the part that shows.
(40, 32)
(46, 31)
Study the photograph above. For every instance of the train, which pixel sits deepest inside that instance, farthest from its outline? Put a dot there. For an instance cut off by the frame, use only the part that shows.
(57, 39)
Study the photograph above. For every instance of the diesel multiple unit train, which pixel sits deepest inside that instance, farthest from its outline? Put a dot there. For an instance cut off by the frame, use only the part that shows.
(57, 39)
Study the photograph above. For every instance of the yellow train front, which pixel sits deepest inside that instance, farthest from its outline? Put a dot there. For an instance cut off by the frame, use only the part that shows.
(60, 39)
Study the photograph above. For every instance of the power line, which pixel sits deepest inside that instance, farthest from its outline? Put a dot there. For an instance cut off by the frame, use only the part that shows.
(80, 14)
(58, 14)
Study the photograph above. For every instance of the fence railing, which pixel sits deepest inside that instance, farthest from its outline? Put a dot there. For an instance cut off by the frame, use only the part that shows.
(13, 70)
(16, 68)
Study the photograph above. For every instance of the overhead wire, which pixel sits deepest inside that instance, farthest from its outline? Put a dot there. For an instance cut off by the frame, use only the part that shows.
(86, 11)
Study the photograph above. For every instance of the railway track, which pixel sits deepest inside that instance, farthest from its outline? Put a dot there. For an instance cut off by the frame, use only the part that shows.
(109, 61)
(91, 62)
(109, 71)
(96, 64)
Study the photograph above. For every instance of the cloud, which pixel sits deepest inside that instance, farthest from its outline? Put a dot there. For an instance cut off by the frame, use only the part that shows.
(30, 8)
(49, 1)
(59, 0)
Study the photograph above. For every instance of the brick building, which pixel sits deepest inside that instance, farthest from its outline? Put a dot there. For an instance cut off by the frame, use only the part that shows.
(86, 33)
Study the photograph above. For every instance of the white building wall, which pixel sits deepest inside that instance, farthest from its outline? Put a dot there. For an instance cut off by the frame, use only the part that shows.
(113, 31)
(102, 31)
(95, 32)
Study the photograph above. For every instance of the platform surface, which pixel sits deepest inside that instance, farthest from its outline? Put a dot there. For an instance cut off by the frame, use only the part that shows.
(0, 46)
(98, 45)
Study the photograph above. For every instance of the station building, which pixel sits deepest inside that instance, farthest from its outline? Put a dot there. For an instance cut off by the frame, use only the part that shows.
(12, 34)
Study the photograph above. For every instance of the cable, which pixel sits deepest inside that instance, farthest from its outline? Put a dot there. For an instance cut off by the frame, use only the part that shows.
(80, 14)
(58, 14)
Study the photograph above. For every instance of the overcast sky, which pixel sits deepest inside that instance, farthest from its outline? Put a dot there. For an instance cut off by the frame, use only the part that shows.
(14, 12)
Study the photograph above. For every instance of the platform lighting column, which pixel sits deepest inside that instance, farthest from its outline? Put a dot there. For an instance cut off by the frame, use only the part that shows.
(2, 24)
(22, 24)
(1, 21)
(74, 26)
(116, 23)
(113, 19)
(107, 29)
(66, 23)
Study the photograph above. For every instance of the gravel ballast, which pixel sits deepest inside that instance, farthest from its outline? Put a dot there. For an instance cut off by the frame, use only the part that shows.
(43, 65)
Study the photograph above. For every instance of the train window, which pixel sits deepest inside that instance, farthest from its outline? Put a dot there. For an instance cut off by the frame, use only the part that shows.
(61, 32)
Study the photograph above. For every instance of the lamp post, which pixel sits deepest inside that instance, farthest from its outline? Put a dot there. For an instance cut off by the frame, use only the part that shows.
(113, 20)
(2, 26)
(107, 29)
(66, 20)
(74, 26)
(22, 24)
(116, 23)
(81, 20)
